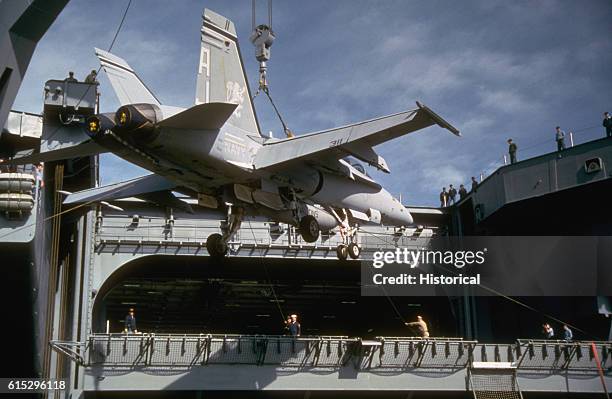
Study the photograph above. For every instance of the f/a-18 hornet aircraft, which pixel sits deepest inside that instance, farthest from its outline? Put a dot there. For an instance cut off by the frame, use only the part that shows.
(215, 151)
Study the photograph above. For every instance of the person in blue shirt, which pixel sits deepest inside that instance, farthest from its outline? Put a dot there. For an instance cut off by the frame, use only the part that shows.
(130, 322)
(295, 329)
(568, 335)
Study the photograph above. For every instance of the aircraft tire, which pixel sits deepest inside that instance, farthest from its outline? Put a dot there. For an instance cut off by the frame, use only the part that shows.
(215, 246)
(353, 250)
(309, 228)
(342, 252)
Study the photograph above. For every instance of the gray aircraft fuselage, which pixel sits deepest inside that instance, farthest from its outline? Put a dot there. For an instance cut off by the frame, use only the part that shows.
(203, 160)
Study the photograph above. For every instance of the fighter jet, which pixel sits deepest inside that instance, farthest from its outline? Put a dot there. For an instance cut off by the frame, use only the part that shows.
(215, 151)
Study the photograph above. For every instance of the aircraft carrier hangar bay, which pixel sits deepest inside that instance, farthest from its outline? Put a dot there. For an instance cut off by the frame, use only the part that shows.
(214, 326)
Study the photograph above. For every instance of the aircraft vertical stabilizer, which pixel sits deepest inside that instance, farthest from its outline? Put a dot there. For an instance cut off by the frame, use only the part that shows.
(221, 74)
(130, 89)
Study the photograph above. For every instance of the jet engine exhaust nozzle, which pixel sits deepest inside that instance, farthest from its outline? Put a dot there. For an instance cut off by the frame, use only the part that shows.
(138, 120)
(98, 124)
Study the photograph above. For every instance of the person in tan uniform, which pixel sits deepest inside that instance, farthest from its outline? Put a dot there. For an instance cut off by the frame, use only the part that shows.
(419, 326)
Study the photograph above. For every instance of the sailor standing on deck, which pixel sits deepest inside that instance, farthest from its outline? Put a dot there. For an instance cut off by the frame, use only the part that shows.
(130, 322)
(607, 123)
(420, 326)
(474, 184)
(452, 193)
(295, 329)
(560, 138)
(568, 335)
(548, 331)
(92, 78)
(443, 198)
(39, 175)
(287, 324)
(462, 192)
(512, 151)
(71, 78)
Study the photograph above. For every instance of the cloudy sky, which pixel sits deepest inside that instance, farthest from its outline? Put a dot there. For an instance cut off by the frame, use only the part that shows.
(495, 69)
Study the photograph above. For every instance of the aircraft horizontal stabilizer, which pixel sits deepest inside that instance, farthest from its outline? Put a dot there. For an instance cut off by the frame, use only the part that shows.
(166, 198)
(76, 151)
(208, 116)
(130, 188)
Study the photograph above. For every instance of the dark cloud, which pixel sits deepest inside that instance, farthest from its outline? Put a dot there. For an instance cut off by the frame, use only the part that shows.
(495, 69)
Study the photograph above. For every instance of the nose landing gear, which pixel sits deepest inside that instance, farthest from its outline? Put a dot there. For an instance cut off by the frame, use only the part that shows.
(349, 247)
(342, 252)
(354, 250)
(351, 250)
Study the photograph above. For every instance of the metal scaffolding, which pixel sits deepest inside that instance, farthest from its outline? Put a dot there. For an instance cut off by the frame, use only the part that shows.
(150, 350)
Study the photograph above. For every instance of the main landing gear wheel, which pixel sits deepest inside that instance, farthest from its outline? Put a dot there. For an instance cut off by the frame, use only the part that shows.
(215, 246)
(309, 228)
(353, 250)
(342, 252)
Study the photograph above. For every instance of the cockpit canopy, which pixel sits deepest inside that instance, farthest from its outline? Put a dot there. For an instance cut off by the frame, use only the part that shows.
(357, 165)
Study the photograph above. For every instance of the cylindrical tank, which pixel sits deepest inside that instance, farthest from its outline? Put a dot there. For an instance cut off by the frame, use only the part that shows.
(16, 202)
(343, 192)
(326, 221)
(16, 183)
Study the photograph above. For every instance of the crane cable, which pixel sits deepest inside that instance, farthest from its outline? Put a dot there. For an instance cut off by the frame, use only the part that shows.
(269, 13)
(263, 83)
(268, 280)
(288, 132)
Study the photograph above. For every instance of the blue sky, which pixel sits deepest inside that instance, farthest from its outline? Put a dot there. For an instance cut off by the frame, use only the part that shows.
(495, 69)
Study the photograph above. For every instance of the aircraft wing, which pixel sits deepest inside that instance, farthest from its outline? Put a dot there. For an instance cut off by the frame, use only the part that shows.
(131, 188)
(83, 149)
(356, 140)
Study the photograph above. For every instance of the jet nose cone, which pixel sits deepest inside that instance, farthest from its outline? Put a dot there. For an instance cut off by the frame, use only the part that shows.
(394, 213)
(398, 217)
(406, 217)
